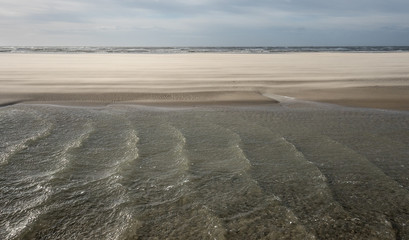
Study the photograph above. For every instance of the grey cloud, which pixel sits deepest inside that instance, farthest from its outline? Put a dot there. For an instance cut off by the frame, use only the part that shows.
(206, 22)
(57, 17)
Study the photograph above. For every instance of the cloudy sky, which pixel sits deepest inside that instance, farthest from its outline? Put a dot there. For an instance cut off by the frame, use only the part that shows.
(204, 22)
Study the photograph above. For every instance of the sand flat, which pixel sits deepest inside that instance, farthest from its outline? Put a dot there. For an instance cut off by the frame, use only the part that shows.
(379, 80)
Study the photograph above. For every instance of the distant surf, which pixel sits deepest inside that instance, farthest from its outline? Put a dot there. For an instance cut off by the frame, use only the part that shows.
(175, 50)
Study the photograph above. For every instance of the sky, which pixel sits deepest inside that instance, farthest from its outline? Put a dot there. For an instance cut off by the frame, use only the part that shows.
(204, 22)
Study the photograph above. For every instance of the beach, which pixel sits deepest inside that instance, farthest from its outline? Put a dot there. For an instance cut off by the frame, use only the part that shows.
(204, 146)
(375, 80)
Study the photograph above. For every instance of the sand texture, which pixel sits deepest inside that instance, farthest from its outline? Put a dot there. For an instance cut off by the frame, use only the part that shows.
(379, 80)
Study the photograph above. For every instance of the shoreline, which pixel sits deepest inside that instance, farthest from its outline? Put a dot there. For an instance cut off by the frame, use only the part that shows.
(374, 80)
(149, 99)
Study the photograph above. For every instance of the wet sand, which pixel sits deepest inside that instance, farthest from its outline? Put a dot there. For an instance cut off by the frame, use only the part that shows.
(375, 80)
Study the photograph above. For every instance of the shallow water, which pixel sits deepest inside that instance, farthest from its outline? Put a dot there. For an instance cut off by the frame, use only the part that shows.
(295, 171)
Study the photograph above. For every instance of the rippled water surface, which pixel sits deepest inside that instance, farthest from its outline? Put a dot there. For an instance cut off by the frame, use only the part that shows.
(270, 172)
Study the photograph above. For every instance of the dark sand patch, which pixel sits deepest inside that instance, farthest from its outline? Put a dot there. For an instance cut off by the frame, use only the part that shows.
(187, 98)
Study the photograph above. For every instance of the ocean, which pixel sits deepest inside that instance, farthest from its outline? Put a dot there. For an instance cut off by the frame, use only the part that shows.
(177, 50)
(284, 171)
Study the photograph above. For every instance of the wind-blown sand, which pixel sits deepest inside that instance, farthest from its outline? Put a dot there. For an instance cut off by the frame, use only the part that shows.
(288, 170)
(379, 80)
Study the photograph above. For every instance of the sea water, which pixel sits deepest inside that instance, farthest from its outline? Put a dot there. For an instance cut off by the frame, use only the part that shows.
(177, 50)
(220, 172)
